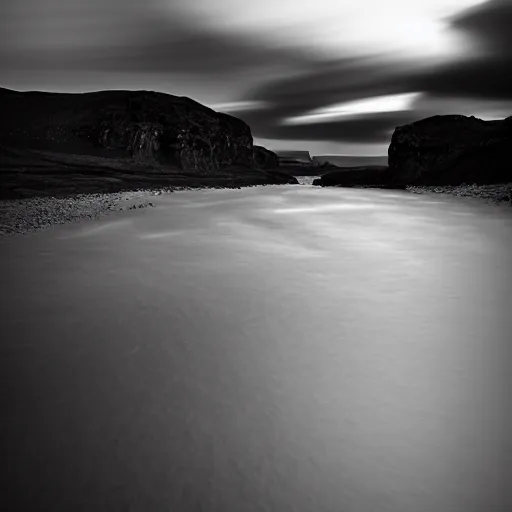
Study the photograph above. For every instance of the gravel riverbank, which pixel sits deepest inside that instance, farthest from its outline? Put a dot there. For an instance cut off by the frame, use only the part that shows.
(498, 194)
(20, 216)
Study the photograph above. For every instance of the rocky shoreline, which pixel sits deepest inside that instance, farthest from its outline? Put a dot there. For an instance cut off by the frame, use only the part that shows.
(21, 216)
(497, 193)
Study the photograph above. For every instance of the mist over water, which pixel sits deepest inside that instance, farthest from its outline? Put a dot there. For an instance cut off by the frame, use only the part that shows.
(272, 348)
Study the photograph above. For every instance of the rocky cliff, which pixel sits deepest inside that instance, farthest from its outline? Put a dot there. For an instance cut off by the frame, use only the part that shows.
(451, 150)
(144, 134)
(264, 158)
(140, 125)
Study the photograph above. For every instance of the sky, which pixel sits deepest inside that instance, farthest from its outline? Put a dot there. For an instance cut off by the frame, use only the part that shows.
(327, 76)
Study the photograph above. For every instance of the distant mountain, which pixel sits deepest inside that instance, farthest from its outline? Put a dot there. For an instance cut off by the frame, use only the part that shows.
(352, 160)
(300, 156)
(297, 163)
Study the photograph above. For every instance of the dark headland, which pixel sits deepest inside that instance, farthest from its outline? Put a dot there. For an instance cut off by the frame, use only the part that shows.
(63, 144)
(448, 154)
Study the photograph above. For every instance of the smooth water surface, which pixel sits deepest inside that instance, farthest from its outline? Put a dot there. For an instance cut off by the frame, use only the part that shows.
(283, 348)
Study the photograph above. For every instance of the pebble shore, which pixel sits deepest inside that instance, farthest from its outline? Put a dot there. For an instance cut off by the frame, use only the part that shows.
(498, 194)
(21, 216)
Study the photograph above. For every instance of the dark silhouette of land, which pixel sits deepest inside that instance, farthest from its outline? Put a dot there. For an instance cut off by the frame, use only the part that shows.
(438, 151)
(108, 141)
(54, 144)
(351, 160)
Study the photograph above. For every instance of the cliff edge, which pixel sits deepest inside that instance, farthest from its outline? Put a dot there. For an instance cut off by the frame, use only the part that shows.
(451, 150)
(116, 140)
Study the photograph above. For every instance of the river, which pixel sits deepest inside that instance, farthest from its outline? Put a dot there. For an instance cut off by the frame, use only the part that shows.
(281, 348)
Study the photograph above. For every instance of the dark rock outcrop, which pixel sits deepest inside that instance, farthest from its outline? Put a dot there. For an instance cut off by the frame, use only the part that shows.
(362, 177)
(277, 177)
(264, 158)
(130, 138)
(451, 150)
(140, 125)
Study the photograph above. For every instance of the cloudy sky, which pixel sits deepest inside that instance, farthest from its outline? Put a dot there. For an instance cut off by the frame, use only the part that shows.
(328, 76)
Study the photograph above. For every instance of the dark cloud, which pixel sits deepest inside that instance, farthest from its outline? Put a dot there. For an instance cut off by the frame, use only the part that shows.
(143, 37)
(181, 51)
(479, 77)
(486, 78)
(491, 24)
(374, 128)
(483, 76)
(337, 81)
(327, 84)
(194, 51)
(330, 83)
(116, 36)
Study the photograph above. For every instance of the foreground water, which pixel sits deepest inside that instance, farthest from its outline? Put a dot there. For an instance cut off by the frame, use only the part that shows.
(281, 348)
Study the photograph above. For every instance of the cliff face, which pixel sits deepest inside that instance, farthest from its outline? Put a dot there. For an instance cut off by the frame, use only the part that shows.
(108, 141)
(264, 158)
(142, 126)
(451, 150)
